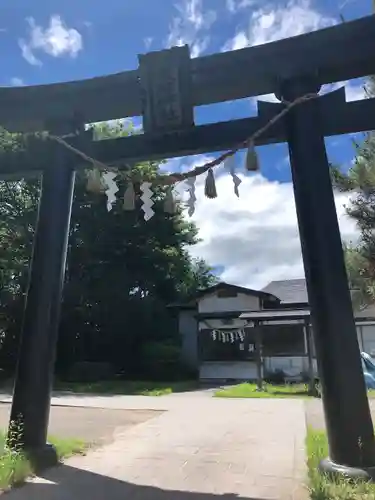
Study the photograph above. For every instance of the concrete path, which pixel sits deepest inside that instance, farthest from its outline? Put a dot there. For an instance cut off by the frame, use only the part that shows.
(95, 426)
(198, 449)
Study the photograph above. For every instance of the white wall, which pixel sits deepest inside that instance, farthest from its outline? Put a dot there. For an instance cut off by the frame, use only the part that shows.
(247, 370)
(228, 370)
(242, 302)
(290, 364)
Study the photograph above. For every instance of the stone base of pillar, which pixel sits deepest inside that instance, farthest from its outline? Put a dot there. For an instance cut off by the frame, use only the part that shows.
(43, 458)
(333, 470)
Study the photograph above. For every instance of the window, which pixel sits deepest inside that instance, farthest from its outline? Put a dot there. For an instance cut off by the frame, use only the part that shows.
(283, 340)
(226, 293)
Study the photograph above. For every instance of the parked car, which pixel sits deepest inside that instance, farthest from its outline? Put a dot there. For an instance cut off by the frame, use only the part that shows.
(368, 366)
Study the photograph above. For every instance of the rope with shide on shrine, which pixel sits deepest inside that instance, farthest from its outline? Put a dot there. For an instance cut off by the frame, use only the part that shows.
(167, 179)
(101, 178)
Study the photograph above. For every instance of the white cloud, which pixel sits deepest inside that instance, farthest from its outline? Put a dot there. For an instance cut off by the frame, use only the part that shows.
(27, 53)
(269, 23)
(56, 40)
(237, 5)
(17, 82)
(191, 26)
(148, 41)
(354, 91)
(254, 237)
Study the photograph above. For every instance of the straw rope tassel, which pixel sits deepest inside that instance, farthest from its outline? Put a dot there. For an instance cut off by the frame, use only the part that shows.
(210, 186)
(252, 162)
(95, 182)
(129, 197)
(169, 202)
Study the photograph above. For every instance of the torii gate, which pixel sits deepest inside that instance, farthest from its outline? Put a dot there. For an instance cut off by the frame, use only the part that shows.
(164, 90)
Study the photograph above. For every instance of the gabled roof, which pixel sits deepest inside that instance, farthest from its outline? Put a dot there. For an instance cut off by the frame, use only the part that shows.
(239, 289)
(288, 291)
(283, 292)
(190, 304)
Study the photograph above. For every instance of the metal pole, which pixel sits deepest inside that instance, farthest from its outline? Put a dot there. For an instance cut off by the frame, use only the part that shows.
(34, 377)
(346, 407)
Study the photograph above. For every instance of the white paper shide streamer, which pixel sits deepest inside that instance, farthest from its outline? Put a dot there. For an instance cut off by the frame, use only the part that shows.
(147, 200)
(111, 188)
(192, 197)
(226, 336)
(230, 164)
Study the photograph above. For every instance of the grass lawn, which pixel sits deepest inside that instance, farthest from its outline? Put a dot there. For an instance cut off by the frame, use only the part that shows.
(125, 387)
(321, 488)
(248, 390)
(15, 468)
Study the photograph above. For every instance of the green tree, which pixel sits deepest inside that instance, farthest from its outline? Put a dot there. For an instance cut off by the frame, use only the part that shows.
(18, 210)
(121, 275)
(360, 182)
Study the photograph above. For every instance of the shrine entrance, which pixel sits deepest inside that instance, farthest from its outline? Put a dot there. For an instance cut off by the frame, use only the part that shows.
(164, 90)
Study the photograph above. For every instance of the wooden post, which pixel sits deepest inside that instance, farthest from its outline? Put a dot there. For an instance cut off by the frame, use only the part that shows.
(35, 368)
(349, 426)
(310, 357)
(258, 354)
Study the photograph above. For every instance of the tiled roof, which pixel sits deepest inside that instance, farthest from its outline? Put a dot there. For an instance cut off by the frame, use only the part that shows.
(294, 291)
(288, 291)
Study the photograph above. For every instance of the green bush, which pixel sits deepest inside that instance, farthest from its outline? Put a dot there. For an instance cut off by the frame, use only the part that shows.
(88, 371)
(162, 361)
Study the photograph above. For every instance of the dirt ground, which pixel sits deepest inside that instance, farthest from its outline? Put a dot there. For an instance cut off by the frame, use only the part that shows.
(93, 425)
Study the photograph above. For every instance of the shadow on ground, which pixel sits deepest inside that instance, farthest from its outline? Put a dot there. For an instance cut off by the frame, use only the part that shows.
(69, 483)
(95, 426)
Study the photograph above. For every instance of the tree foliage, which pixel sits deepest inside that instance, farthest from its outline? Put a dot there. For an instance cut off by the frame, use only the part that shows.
(360, 182)
(122, 272)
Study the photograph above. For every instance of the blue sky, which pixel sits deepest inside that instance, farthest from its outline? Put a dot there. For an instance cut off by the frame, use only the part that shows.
(43, 42)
